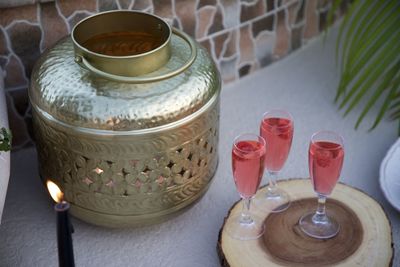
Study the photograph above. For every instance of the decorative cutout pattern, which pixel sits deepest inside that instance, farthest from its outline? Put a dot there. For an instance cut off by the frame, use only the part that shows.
(130, 175)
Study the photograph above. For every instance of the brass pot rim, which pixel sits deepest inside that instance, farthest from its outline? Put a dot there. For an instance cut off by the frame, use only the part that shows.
(163, 45)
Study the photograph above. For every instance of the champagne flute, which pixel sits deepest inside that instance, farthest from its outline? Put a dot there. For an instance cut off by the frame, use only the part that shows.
(248, 152)
(325, 160)
(277, 129)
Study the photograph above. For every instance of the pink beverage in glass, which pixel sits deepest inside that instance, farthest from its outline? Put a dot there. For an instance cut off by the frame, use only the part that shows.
(325, 162)
(248, 166)
(278, 133)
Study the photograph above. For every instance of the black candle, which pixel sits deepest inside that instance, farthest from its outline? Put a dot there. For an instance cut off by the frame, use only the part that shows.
(64, 227)
(64, 238)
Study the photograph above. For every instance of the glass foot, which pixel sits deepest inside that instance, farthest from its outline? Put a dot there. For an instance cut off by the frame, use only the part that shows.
(245, 231)
(322, 229)
(277, 201)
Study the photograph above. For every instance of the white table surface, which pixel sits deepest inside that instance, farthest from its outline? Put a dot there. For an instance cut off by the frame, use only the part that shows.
(303, 83)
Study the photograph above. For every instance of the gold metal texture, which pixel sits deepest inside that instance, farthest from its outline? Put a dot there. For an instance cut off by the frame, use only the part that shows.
(123, 21)
(75, 96)
(126, 154)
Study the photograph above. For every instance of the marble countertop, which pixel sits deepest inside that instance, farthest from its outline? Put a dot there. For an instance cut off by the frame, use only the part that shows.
(303, 83)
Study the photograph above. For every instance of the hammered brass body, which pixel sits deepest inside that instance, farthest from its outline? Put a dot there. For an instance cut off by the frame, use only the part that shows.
(126, 154)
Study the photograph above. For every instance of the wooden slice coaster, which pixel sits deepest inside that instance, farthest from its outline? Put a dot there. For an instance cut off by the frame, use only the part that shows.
(364, 238)
(286, 242)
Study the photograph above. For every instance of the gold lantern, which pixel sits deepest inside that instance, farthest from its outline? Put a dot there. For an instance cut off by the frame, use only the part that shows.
(126, 116)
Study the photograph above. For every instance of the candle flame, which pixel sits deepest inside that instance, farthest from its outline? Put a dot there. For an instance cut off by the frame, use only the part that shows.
(54, 191)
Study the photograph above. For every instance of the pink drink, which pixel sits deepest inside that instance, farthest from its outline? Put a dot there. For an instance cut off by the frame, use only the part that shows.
(326, 161)
(248, 166)
(278, 134)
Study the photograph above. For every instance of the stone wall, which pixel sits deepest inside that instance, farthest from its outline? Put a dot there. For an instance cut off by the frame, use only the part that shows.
(241, 35)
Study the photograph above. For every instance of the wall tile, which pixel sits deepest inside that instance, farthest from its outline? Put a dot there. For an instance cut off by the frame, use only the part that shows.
(219, 43)
(323, 22)
(176, 22)
(217, 25)
(311, 28)
(264, 45)
(3, 43)
(228, 70)
(17, 125)
(3, 62)
(105, 5)
(252, 10)
(297, 34)
(29, 125)
(246, 46)
(15, 76)
(300, 12)
(142, 5)
(25, 46)
(263, 24)
(204, 3)
(205, 17)
(231, 10)
(28, 13)
(293, 10)
(270, 5)
(163, 8)
(125, 4)
(20, 101)
(68, 7)
(247, 68)
(244, 70)
(282, 44)
(230, 47)
(186, 12)
(207, 45)
(78, 16)
(54, 27)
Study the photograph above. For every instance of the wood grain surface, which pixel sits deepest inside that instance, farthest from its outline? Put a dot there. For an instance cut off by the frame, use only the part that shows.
(364, 238)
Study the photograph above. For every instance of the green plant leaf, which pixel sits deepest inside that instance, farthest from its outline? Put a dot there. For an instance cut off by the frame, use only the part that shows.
(380, 38)
(5, 139)
(383, 33)
(376, 14)
(395, 115)
(345, 21)
(365, 10)
(377, 94)
(369, 50)
(368, 79)
(382, 59)
(395, 104)
(343, 26)
(386, 103)
(370, 25)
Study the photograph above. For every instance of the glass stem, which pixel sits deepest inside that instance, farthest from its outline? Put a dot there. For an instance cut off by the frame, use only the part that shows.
(272, 183)
(246, 218)
(320, 215)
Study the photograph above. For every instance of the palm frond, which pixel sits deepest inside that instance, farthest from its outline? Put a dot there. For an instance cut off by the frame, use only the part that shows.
(377, 66)
(372, 26)
(387, 101)
(368, 45)
(377, 94)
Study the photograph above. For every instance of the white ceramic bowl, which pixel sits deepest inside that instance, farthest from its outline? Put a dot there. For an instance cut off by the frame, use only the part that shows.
(390, 175)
